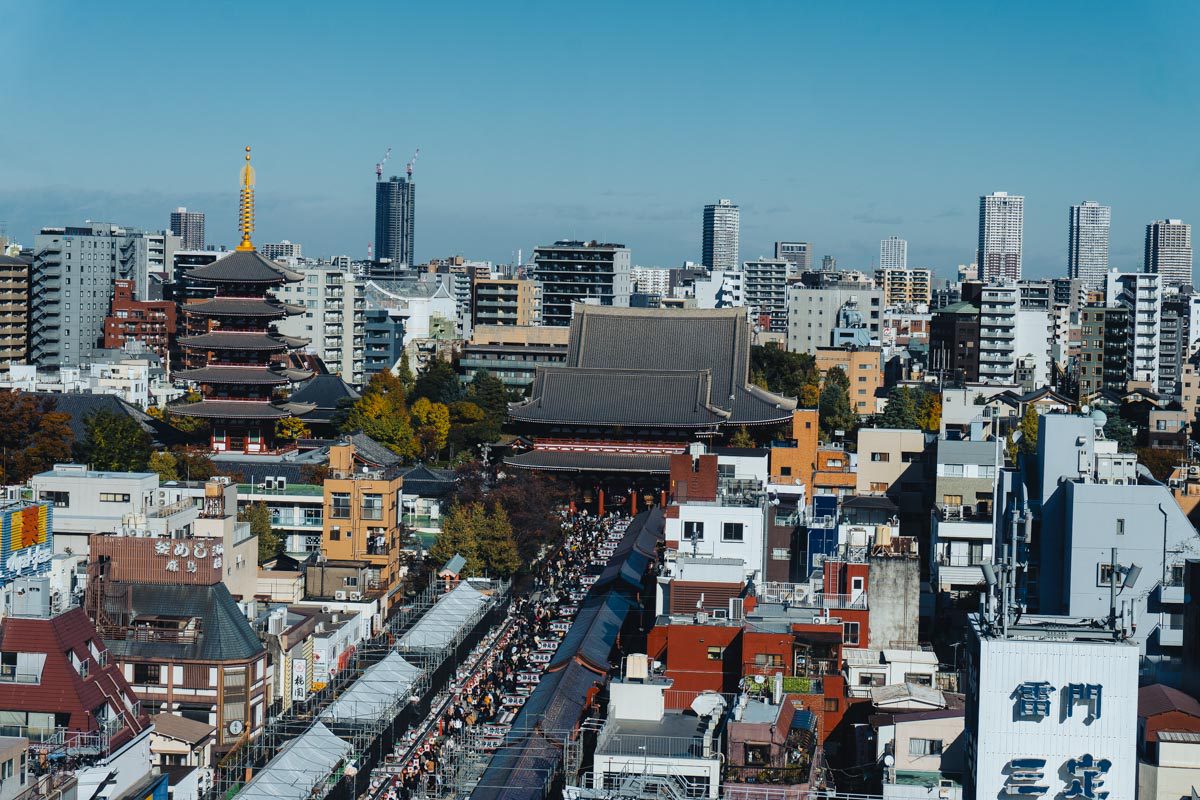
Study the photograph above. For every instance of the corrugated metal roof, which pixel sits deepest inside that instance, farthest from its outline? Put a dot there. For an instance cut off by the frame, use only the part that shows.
(448, 616)
(302, 763)
(382, 687)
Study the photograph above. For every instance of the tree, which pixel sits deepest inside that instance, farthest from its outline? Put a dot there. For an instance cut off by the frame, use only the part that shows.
(431, 425)
(470, 427)
(438, 382)
(1029, 431)
(382, 414)
(741, 438)
(497, 546)
(115, 443)
(192, 465)
(489, 393)
(929, 412)
(33, 436)
(404, 373)
(185, 424)
(1160, 461)
(460, 536)
(269, 542)
(810, 393)
(292, 429)
(783, 372)
(165, 464)
(900, 411)
(1122, 432)
(834, 409)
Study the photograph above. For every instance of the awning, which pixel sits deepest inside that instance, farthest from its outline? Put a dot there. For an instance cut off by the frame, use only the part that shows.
(301, 765)
(442, 623)
(380, 690)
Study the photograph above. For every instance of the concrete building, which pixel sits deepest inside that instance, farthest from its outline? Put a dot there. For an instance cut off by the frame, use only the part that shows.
(14, 310)
(395, 226)
(1169, 251)
(1141, 294)
(1103, 351)
(963, 501)
(998, 306)
(189, 227)
(813, 313)
(886, 457)
(151, 322)
(722, 226)
(864, 369)
(954, 342)
(72, 285)
(720, 289)
(1087, 243)
(334, 318)
(893, 254)
(506, 302)
(1001, 229)
(765, 292)
(798, 254)
(1033, 349)
(1172, 346)
(512, 354)
(903, 286)
(649, 280)
(421, 308)
(580, 272)
(281, 251)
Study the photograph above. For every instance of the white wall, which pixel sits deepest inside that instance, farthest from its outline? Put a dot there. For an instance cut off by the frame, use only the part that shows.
(714, 517)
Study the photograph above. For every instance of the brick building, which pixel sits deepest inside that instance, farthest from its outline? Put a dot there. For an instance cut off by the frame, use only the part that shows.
(151, 322)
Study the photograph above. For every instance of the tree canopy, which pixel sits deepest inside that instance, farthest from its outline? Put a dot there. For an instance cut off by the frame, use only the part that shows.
(484, 537)
(382, 414)
(33, 436)
(115, 443)
(438, 382)
(786, 373)
(431, 426)
(834, 411)
(269, 542)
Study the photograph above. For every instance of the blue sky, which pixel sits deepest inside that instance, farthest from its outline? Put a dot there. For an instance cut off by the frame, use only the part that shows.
(839, 124)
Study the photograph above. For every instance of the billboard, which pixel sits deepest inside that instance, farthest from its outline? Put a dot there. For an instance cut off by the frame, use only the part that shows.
(26, 539)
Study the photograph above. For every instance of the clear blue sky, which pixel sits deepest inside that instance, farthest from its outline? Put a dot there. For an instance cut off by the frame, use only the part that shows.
(834, 123)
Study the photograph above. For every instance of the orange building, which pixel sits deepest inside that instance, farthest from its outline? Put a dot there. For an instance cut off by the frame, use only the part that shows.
(834, 474)
(793, 461)
(362, 520)
(862, 365)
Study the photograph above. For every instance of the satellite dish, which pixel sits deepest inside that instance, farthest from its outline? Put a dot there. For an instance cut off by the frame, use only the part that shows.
(759, 679)
(708, 703)
(1099, 418)
(889, 760)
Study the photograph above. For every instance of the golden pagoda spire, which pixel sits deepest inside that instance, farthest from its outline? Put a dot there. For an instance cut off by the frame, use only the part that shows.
(246, 209)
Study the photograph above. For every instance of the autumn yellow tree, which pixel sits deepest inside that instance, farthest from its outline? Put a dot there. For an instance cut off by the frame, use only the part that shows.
(292, 429)
(382, 414)
(431, 426)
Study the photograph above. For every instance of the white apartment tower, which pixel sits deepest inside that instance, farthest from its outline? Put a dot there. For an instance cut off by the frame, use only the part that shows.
(893, 253)
(1169, 251)
(722, 223)
(1001, 225)
(1087, 243)
(998, 308)
(1141, 293)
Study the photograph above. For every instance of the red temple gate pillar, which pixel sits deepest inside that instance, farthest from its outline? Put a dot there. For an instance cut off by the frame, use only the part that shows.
(600, 503)
(633, 502)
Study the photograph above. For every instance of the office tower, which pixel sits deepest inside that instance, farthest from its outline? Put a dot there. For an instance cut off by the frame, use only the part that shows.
(570, 272)
(1087, 243)
(71, 286)
(893, 253)
(722, 223)
(765, 292)
(1141, 293)
(280, 250)
(189, 227)
(14, 310)
(905, 286)
(828, 263)
(395, 208)
(1169, 251)
(1001, 221)
(799, 254)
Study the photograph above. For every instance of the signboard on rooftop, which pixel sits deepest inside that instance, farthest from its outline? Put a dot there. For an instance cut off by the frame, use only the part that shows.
(26, 539)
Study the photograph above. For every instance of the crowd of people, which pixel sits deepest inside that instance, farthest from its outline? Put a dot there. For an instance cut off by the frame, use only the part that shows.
(505, 667)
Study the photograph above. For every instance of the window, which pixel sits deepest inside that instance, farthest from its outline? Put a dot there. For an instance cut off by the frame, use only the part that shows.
(877, 486)
(1104, 574)
(976, 553)
(693, 531)
(768, 660)
(372, 506)
(924, 747)
(831, 704)
(856, 584)
(850, 633)
(312, 516)
(953, 470)
(113, 497)
(881, 456)
(335, 534)
(6, 769)
(987, 470)
(726, 471)
(952, 499)
(918, 678)
(59, 499)
(147, 673)
(350, 580)
(785, 472)
(1120, 527)
(339, 503)
(716, 653)
(780, 554)
(732, 532)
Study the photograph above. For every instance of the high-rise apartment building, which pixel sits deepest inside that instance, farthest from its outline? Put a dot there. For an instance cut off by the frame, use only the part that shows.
(1001, 226)
(1141, 293)
(580, 272)
(765, 291)
(798, 254)
(506, 301)
(280, 250)
(893, 253)
(1169, 251)
(648, 280)
(189, 227)
(395, 209)
(905, 286)
(1103, 350)
(1087, 243)
(334, 318)
(14, 310)
(722, 224)
(72, 279)
(998, 306)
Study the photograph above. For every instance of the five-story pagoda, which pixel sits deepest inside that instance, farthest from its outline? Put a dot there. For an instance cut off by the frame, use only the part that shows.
(231, 348)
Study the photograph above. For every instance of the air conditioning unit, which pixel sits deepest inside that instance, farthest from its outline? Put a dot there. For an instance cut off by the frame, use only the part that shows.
(720, 613)
(268, 483)
(701, 617)
(339, 595)
(280, 483)
(356, 596)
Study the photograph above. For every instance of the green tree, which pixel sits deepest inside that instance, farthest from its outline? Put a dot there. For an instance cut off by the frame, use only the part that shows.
(115, 443)
(404, 373)
(470, 427)
(489, 393)
(438, 382)
(33, 436)
(1122, 432)
(382, 414)
(292, 429)
(192, 465)
(741, 438)
(834, 409)
(269, 542)
(1029, 431)
(497, 545)
(165, 464)
(900, 411)
(460, 535)
(783, 372)
(431, 426)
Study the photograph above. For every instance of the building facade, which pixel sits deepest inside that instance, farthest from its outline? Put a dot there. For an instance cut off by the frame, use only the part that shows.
(499, 301)
(151, 322)
(902, 286)
(1001, 229)
(765, 292)
(1141, 294)
(998, 306)
(1169, 251)
(893, 253)
(813, 313)
(1087, 243)
(395, 210)
(798, 254)
(189, 227)
(14, 310)
(722, 227)
(571, 272)
(333, 320)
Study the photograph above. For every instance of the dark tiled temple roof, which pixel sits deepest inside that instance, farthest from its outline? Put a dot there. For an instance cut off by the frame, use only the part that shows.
(372, 452)
(620, 397)
(80, 406)
(591, 462)
(241, 340)
(242, 307)
(225, 634)
(244, 266)
(241, 375)
(325, 392)
(425, 482)
(240, 409)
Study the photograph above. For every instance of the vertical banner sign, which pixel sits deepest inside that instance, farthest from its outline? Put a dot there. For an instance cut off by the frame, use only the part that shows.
(299, 680)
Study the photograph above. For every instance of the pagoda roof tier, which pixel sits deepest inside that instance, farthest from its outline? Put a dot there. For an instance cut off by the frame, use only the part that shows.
(242, 340)
(222, 374)
(241, 409)
(242, 307)
(244, 266)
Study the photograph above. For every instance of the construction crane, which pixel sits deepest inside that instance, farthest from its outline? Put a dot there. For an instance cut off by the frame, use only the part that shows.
(379, 165)
(408, 168)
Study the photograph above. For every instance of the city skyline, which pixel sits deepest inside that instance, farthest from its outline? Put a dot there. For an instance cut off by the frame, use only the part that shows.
(639, 174)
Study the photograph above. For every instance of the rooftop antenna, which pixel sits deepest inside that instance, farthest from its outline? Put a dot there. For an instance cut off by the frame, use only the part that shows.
(379, 164)
(408, 168)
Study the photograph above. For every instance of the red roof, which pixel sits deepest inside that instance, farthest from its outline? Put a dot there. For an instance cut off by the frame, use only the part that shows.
(1160, 699)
